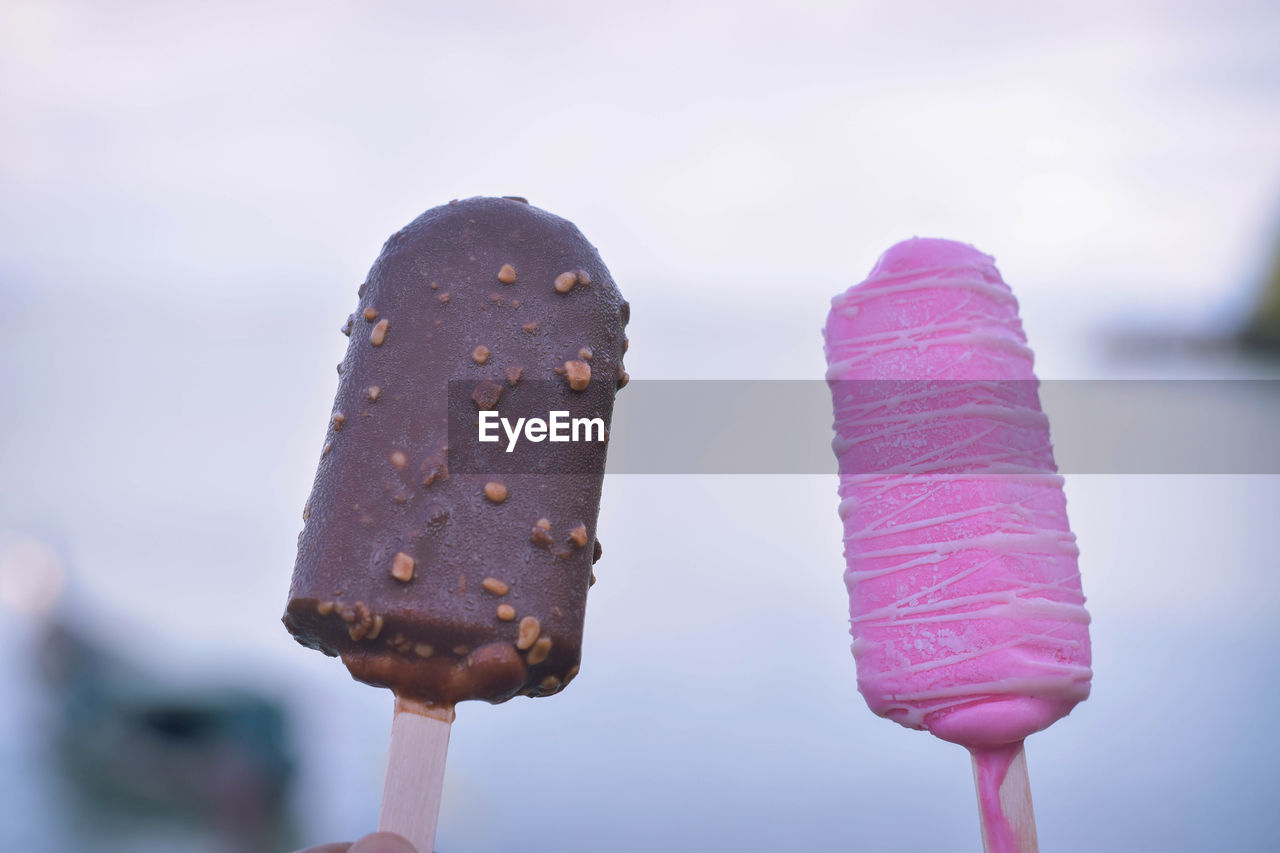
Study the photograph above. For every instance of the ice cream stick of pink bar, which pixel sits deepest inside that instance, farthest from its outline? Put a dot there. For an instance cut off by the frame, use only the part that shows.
(967, 613)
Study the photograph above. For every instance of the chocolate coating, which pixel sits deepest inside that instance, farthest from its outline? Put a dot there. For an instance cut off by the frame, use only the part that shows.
(434, 310)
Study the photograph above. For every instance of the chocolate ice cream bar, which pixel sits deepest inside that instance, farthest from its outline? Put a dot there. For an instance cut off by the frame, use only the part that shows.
(422, 570)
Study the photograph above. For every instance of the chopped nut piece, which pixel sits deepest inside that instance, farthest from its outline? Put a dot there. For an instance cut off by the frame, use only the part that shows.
(461, 650)
(529, 630)
(507, 275)
(402, 566)
(513, 375)
(584, 278)
(506, 612)
(623, 378)
(372, 393)
(379, 333)
(579, 374)
(480, 354)
(370, 314)
(596, 552)
(539, 652)
(346, 327)
(541, 532)
(422, 650)
(573, 670)
(486, 394)
(377, 628)
(338, 420)
(434, 469)
(444, 298)
(551, 682)
(324, 608)
(362, 620)
(495, 491)
(328, 446)
(306, 511)
(584, 353)
(495, 586)
(398, 459)
(530, 327)
(565, 281)
(578, 536)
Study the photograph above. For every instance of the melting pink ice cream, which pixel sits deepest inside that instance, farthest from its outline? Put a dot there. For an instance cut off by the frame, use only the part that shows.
(968, 618)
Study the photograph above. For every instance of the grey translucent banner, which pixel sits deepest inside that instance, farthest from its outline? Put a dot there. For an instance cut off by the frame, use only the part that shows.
(786, 427)
(1097, 426)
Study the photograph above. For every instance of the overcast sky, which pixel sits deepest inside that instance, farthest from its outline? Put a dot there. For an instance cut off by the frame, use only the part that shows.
(725, 146)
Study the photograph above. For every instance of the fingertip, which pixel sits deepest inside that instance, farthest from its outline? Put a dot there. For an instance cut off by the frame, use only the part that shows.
(383, 842)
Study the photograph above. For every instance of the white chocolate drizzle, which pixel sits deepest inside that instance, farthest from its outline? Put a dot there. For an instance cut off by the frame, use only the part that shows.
(964, 589)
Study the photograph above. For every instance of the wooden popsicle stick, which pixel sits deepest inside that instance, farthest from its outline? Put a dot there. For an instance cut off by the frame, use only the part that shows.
(1004, 799)
(415, 772)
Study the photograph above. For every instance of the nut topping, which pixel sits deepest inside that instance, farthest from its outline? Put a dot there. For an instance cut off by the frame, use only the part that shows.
(402, 566)
(541, 532)
(539, 652)
(495, 586)
(578, 374)
(529, 630)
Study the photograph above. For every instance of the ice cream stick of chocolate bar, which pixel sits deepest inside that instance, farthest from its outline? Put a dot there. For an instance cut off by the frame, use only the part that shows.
(415, 772)
(428, 567)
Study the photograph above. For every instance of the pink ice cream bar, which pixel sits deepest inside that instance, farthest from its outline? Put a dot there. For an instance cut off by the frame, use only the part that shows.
(967, 614)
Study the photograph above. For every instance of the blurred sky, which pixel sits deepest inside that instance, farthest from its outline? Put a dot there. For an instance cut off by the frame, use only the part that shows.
(190, 194)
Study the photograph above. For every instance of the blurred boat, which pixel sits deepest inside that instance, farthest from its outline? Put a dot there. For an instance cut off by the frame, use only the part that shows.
(1262, 330)
(143, 763)
(135, 750)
